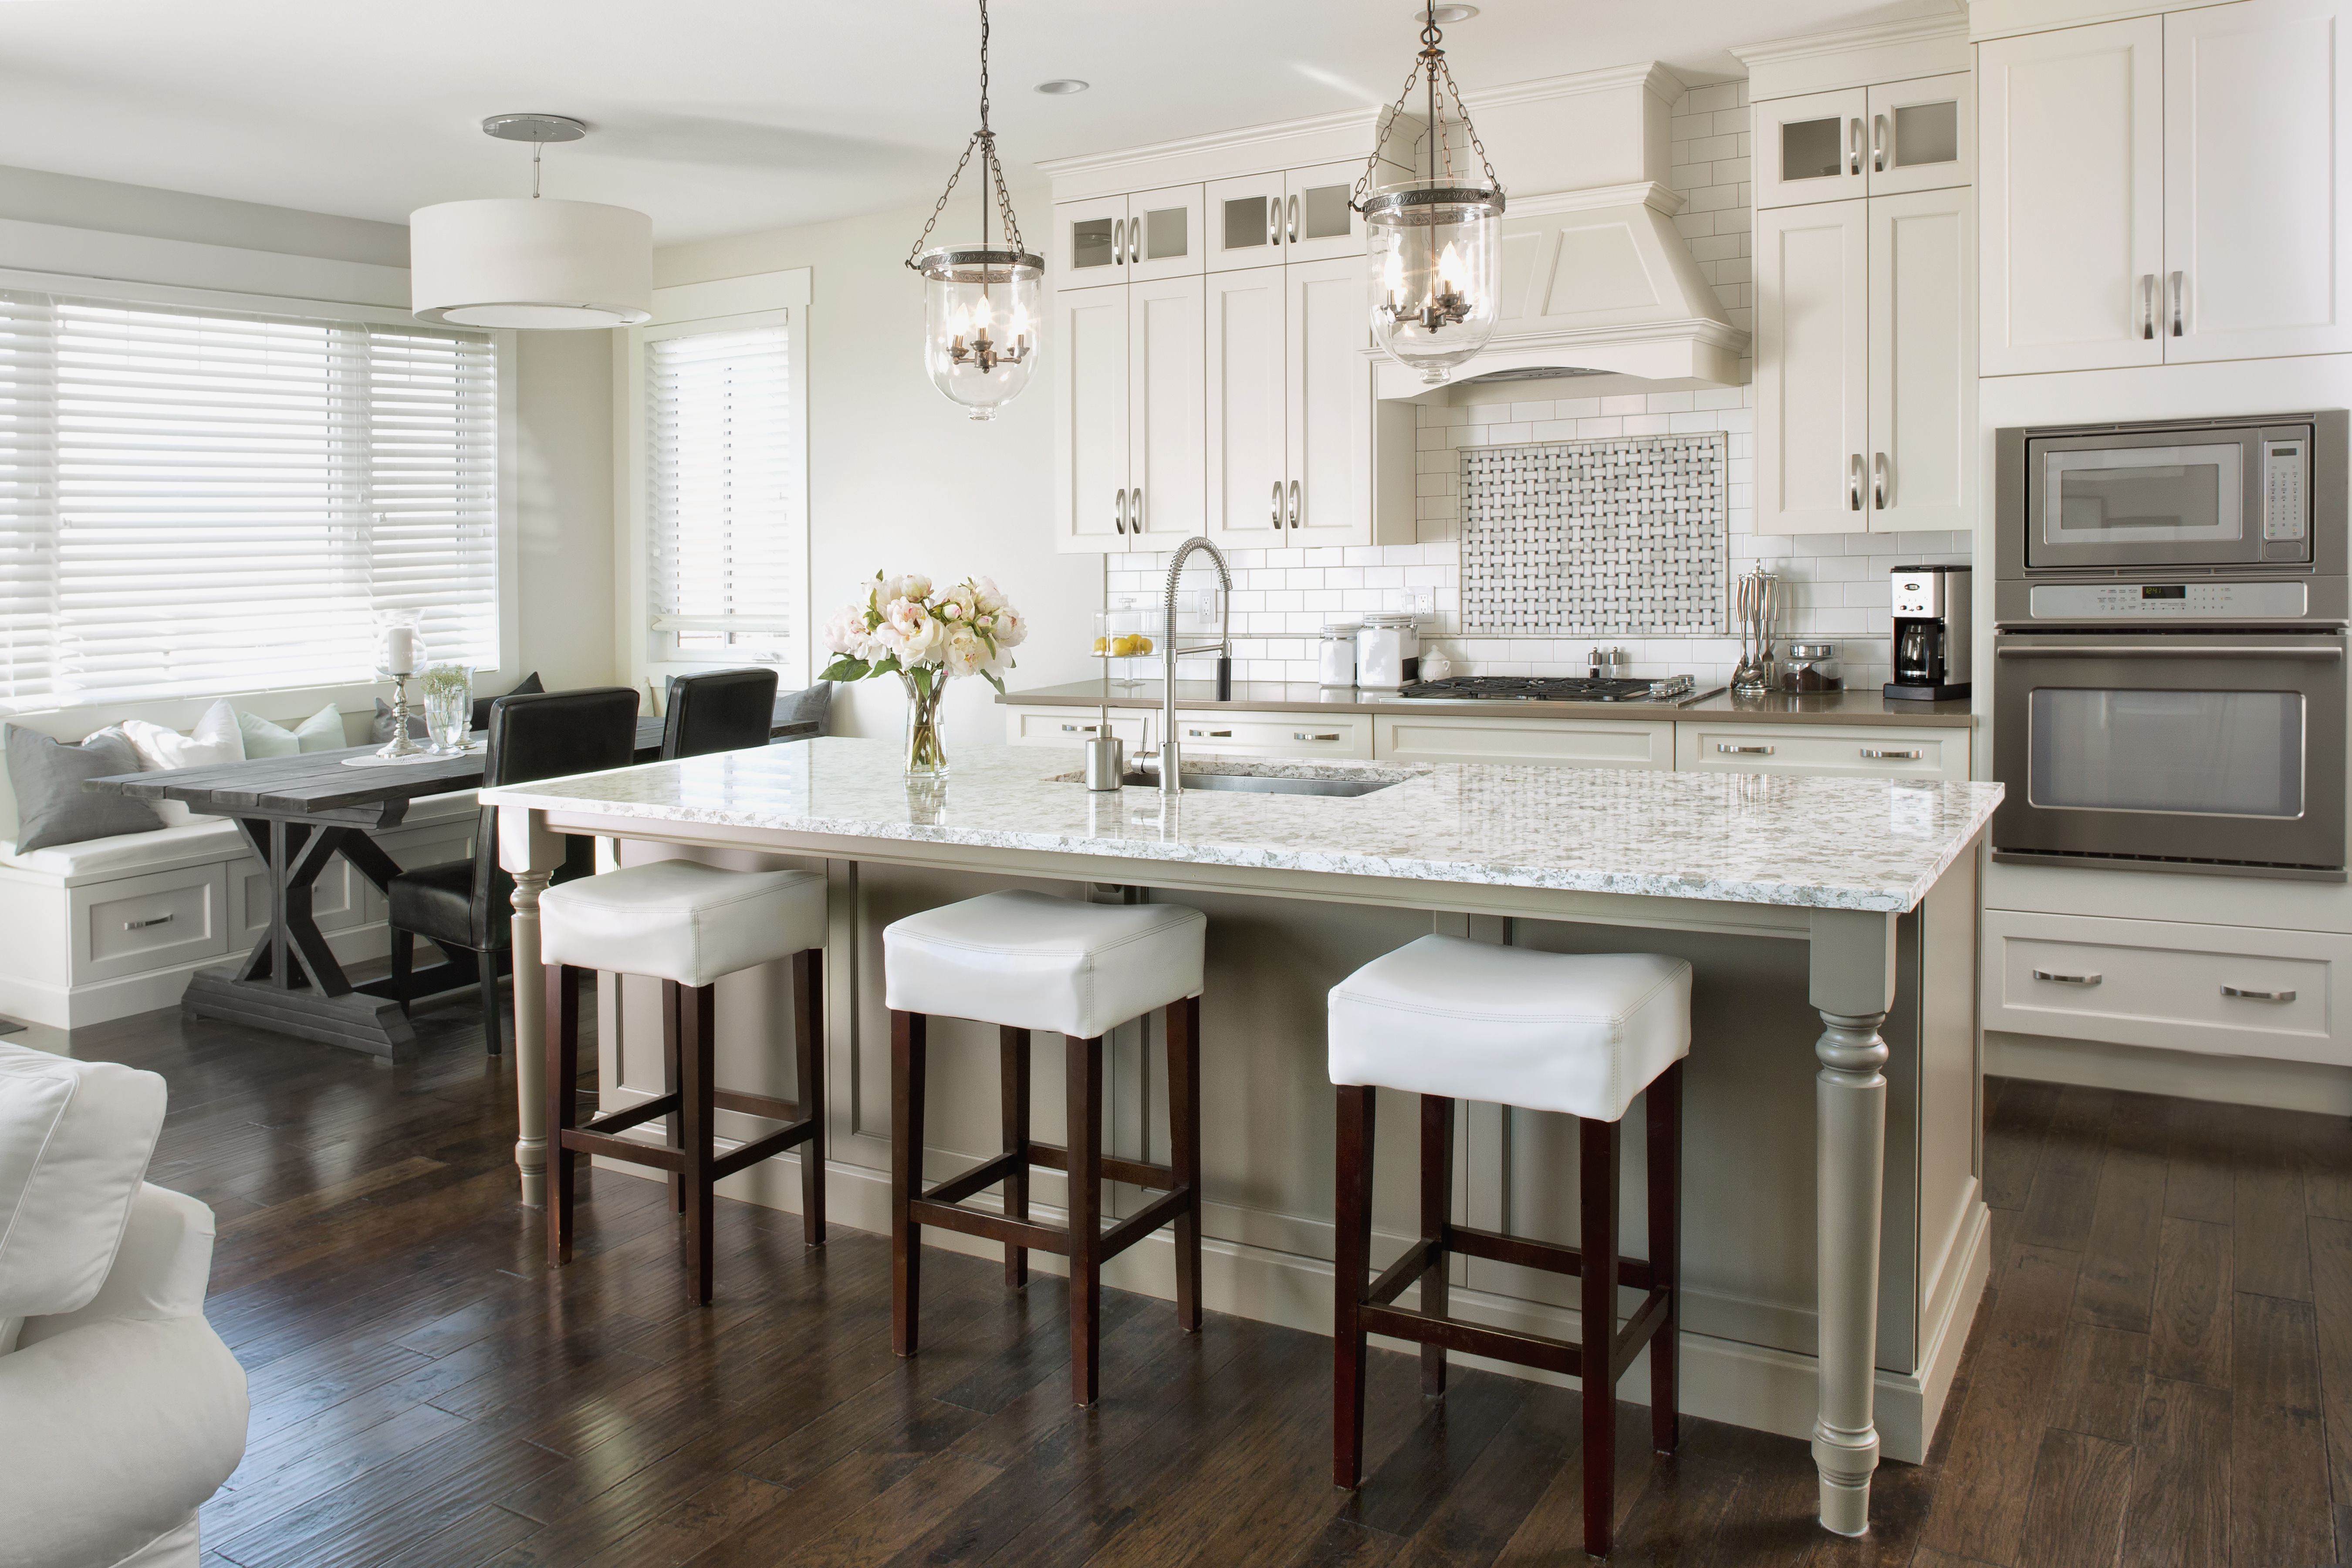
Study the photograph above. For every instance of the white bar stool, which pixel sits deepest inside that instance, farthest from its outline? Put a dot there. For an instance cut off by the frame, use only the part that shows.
(1451, 1019)
(1024, 962)
(684, 925)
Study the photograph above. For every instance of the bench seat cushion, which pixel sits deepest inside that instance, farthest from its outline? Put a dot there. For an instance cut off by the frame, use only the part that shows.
(124, 853)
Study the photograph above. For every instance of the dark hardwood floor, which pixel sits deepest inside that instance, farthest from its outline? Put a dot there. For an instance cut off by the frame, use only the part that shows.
(2162, 1373)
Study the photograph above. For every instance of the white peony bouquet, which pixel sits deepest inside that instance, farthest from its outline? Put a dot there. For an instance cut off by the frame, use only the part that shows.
(925, 637)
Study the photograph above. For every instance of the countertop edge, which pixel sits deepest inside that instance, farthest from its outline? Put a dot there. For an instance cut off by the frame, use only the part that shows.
(1719, 708)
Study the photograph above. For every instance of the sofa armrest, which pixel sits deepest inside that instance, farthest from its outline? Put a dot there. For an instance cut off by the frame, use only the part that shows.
(159, 1271)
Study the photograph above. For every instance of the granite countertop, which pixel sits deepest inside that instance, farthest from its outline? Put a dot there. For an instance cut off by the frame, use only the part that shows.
(1824, 843)
(1863, 705)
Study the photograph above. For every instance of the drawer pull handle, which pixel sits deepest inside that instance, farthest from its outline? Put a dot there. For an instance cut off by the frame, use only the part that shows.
(1303, 735)
(1729, 749)
(1889, 755)
(1211, 734)
(143, 925)
(1078, 728)
(2068, 979)
(2258, 995)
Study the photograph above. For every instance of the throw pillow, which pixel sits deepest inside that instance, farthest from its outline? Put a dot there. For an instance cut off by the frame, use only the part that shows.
(528, 683)
(322, 731)
(809, 703)
(381, 731)
(216, 739)
(52, 808)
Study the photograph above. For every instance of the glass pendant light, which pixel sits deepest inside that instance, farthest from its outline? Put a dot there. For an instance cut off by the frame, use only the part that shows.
(1434, 243)
(979, 301)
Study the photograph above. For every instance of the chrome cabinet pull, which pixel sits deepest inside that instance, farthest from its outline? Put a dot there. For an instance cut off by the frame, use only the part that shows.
(1888, 754)
(1293, 205)
(1212, 734)
(1303, 735)
(1295, 503)
(2179, 293)
(1878, 143)
(2068, 979)
(1729, 749)
(1134, 240)
(1135, 510)
(1078, 728)
(1277, 503)
(143, 925)
(1118, 511)
(1118, 241)
(1273, 221)
(2258, 995)
(1853, 477)
(1853, 147)
(2147, 306)
(1878, 480)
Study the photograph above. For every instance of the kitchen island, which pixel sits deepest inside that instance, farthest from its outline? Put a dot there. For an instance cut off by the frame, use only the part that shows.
(1834, 1235)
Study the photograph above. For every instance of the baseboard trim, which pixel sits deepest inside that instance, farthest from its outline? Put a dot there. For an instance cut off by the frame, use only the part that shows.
(1756, 1386)
(104, 1001)
(2185, 1075)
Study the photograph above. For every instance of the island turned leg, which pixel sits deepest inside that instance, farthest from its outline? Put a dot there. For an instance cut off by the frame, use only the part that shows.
(1853, 985)
(530, 853)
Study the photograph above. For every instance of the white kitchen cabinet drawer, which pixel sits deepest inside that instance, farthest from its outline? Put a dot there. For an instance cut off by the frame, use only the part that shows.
(1851, 751)
(2228, 990)
(1276, 734)
(1072, 726)
(138, 923)
(1549, 743)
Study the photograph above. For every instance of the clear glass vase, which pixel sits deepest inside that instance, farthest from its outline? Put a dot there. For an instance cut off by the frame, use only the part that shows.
(927, 756)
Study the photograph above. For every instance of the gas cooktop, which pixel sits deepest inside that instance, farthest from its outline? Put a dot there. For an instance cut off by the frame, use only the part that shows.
(1550, 689)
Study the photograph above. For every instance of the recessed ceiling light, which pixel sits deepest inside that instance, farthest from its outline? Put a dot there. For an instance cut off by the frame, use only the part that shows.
(1448, 14)
(1062, 87)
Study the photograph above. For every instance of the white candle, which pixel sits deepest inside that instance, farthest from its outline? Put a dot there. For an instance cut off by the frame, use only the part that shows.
(400, 651)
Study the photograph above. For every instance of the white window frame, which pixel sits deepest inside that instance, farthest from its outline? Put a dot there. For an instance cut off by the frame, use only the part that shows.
(761, 299)
(291, 702)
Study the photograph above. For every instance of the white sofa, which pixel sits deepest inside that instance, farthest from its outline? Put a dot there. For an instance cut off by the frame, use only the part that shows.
(120, 1410)
(111, 927)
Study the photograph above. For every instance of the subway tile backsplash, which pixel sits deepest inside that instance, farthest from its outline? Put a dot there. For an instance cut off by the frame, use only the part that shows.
(1837, 583)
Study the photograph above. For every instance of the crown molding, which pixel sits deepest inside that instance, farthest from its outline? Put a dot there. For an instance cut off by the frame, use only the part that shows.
(1648, 75)
(1846, 40)
(1367, 119)
(1643, 192)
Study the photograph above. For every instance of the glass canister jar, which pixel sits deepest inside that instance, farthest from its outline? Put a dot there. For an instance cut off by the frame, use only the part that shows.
(1810, 667)
(1335, 656)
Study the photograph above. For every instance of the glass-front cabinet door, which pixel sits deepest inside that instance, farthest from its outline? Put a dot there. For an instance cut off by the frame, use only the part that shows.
(1089, 243)
(1812, 149)
(1164, 234)
(1921, 134)
(1318, 224)
(1246, 221)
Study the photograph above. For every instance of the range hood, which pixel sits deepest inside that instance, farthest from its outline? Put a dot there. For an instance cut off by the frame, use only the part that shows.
(1596, 280)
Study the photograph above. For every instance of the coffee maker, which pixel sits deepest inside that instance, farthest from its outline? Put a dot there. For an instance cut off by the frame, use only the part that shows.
(1931, 633)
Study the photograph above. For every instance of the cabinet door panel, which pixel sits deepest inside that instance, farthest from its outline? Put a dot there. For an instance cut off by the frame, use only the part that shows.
(1318, 224)
(1923, 134)
(1812, 322)
(1812, 149)
(1247, 459)
(1329, 413)
(1165, 405)
(1091, 390)
(1165, 238)
(2072, 193)
(2255, 180)
(1246, 221)
(1089, 243)
(1921, 367)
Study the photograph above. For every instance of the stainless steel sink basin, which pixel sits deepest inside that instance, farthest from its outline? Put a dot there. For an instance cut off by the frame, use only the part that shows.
(1257, 784)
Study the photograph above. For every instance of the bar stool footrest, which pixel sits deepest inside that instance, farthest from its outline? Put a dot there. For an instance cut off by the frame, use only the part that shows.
(621, 1121)
(992, 1226)
(1548, 1255)
(1648, 1318)
(760, 1148)
(1162, 1210)
(1161, 1178)
(987, 1173)
(1410, 1266)
(580, 1141)
(1539, 1350)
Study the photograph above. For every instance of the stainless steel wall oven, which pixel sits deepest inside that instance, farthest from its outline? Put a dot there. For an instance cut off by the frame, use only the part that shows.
(2169, 644)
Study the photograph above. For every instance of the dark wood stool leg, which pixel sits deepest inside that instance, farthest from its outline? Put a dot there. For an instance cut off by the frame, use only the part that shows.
(1084, 1083)
(1597, 1199)
(808, 1049)
(1351, 1261)
(673, 1013)
(1013, 1053)
(908, 1043)
(1183, 1025)
(695, 1087)
(562, 1048)
(1437, 1214)
(1666, 1183)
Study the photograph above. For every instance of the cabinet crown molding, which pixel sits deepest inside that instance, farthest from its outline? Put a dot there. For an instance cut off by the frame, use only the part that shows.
(1855, 56)
(1647, 75)
(1260, 144)
(1645, 193)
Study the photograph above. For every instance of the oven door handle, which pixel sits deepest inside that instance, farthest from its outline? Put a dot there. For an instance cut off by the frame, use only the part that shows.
(2130, 650)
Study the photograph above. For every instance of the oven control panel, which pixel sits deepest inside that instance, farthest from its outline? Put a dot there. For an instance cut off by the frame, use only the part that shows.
(2167, 601)
(2284, 507)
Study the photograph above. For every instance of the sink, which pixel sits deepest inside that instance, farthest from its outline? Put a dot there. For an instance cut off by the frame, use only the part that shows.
(1260, 784)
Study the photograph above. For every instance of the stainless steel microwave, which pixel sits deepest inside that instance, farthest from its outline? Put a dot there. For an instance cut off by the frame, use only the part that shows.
(2250, 493)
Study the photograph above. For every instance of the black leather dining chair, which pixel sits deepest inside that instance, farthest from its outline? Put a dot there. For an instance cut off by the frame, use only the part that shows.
(718, 710)
(463, 907)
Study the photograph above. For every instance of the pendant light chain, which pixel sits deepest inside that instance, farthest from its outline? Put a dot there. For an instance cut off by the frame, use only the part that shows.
(984, 139)
(1429, 68)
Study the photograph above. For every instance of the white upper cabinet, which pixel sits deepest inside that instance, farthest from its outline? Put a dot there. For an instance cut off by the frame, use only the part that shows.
(1128, 240)
(1317, 223)
(2167, 189)
(1328, 416)
(1923, 134)
(1248, 472)
(1921, 468)
(1812, 367)
(2257, 181)
(1165, 504)
(1246, 221)
(1089, 352)
(1865, 141)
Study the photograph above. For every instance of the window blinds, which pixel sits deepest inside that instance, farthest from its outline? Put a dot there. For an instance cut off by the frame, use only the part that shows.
(198, 501)
(725, 542)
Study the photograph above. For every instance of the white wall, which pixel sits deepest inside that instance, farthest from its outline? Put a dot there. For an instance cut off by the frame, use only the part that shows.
(900, 479)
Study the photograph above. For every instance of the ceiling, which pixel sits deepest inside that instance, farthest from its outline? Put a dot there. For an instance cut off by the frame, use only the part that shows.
(726, 116)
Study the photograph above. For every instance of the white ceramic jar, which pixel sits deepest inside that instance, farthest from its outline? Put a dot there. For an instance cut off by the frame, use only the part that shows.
(1388, 652)
(1337, 656)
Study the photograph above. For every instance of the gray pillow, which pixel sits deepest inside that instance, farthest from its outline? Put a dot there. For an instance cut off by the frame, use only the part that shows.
(52, 808)
(810, 703)
(381, 731)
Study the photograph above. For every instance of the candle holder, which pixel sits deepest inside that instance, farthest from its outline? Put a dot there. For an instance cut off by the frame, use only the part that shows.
(400, 655)
(401, 745)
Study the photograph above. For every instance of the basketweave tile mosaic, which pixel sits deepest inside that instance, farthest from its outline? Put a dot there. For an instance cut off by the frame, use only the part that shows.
(1612, 537)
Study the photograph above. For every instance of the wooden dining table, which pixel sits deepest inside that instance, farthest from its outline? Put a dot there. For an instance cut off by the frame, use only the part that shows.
(297, 812)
